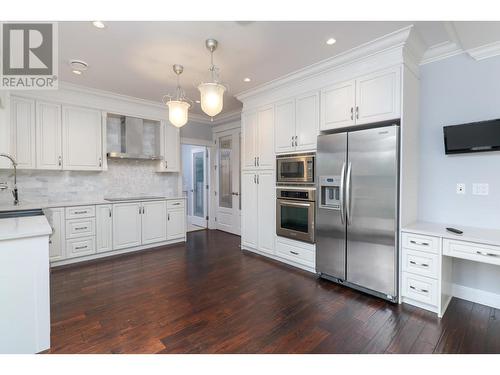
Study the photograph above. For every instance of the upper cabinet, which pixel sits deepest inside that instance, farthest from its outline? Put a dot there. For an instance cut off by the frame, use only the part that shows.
(258, 139)
(48, 136)
(371, 98)
(171, 148)
(297, 123)
(23, 129)
(82, 138)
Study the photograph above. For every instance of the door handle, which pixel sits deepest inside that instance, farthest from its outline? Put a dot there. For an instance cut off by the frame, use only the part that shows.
(342, 203)
(348, 194)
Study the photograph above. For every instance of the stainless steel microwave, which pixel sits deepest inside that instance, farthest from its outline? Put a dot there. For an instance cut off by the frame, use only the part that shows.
(295, 169)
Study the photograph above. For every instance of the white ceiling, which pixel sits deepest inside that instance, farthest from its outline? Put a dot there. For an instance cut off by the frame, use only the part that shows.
(136, 58)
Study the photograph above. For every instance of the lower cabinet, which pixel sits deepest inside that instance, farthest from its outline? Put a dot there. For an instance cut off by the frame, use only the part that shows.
(57, 240)
(78, 247)
(127, 228)
(154, 225)
(176, 220)
(104, 228)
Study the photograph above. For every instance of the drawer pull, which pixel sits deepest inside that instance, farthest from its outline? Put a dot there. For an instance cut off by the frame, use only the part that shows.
(80, 247)
(419, 290)
(419, 243)
(294, 252)
(486, 254)
(421, 264)
(80, 212)
(175, 204)
(81, 228)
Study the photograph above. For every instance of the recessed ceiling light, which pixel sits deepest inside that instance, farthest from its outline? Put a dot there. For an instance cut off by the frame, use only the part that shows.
(331, 41)
(246, 79)
(78, 66)
(99, 24)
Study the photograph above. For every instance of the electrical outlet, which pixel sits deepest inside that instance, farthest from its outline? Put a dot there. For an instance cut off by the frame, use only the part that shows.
(480, 189)
(460, 188)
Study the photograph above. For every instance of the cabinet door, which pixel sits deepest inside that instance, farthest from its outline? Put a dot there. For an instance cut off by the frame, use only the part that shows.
(154, 222)
(265, 138)
(172, 148)
(284, 131)
(337, 106)
(126, 225)
(82, 139)
(266, 211)
(378, 96)
(176, 224)
(104, 228)
(249, 134)
(22, 117)
(48, 136)
(307, 121)
(57, 239)
(249, 213)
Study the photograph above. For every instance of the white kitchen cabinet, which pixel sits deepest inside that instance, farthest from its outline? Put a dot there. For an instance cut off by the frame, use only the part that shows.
(23, 132)
(57, 240)
(176, 220)
(249, 209)
(154, 225)
(104, 228)
(266, 211)
(82, 139)
(249, 134)
(378, 96)
(258, 139)
(127, 228)
(81, 246)
(48, 136)
(170, 148)
(306, 122)
(338, 104)
(284, 126)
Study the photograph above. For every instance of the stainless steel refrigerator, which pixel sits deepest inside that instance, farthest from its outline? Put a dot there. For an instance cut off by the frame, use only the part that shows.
(357, 209)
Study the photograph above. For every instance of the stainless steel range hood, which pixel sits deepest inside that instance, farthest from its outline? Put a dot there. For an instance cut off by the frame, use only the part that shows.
(132, 141)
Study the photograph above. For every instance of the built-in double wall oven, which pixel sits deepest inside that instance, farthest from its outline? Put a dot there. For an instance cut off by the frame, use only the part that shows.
(295, 197)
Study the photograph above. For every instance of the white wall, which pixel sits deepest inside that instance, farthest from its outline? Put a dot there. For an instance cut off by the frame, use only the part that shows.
(453, 91)
(195, 130)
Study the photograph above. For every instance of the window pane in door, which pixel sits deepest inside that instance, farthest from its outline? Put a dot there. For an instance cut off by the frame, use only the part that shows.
(225, 172)
(198, 180)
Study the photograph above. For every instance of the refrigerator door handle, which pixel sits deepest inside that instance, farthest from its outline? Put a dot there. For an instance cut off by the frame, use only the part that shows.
(342, 203)
(348, 194)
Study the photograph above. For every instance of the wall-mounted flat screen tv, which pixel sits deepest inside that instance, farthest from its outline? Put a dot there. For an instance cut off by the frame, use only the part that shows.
(473, 137)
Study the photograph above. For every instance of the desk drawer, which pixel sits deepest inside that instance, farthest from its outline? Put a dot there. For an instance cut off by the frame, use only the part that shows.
(175, 203)
(78, 247)
(421, 242)
(80, 212)
(80, 228)
(420, 288)
(472, 251)
(421, 263)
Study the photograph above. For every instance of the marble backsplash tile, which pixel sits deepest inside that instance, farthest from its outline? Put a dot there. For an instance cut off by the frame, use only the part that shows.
(123, 178)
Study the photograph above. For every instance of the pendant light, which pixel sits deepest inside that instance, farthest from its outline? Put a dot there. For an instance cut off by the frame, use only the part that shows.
(212, 93)
(178, 107)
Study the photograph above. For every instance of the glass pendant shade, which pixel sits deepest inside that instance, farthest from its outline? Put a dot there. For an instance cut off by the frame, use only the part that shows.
(212, 98)
(178, 112)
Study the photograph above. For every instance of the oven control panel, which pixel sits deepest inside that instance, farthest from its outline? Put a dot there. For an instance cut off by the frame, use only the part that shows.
(330, 194)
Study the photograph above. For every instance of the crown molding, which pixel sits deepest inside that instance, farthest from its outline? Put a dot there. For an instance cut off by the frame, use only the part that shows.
(395, 39)
(484, 52)
(227, 117)
(441, 51)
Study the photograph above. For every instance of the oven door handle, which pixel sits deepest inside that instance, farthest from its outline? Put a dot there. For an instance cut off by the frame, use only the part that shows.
(342, 204)
(299, 204)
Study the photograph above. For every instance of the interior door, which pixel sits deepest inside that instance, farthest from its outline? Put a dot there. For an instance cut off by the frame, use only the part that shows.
(198, 188)
(371, 209)
(228, 182)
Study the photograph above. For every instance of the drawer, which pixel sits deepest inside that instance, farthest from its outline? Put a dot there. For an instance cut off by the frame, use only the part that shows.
(420, 288)
(421, 242)
(80, 212)
(78, 247)
(472, 251)
(175, 203)
(295, 254)
(80, 227)
(421, 263)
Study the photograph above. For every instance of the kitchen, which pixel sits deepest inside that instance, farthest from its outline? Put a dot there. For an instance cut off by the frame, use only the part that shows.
(350, 200)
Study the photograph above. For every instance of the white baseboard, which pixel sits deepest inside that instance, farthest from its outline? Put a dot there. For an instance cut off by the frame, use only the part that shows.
(476, 295)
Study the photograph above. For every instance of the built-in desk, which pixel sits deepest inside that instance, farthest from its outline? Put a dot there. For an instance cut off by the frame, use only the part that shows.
(427, 252)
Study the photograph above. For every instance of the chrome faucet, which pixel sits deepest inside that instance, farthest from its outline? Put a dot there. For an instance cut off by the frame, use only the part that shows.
(14, 164)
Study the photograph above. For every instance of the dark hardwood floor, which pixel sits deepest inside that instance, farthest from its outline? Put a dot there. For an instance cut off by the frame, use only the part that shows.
(207, 296)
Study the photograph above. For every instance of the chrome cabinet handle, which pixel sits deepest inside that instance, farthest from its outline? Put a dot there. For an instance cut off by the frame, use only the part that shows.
(143, 209)
(486, 254)
(176, 204)
(294, 252)
(100, 162)
(421, 264)
(357, 113)
(292, 140)
(254, 179)
(419, 290)
(168, 217)
(81, 228)
(80, 212)
(258, 161)
(60, 160)
(110, 212)
(81, 247)
(258, 179)
(342, 204)
(348, 193)
(235, 193)
(419, 243)
(352, 113)
(140, 210)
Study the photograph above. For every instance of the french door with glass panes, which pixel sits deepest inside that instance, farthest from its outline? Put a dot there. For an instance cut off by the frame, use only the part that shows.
(228, 198)
(198, 188)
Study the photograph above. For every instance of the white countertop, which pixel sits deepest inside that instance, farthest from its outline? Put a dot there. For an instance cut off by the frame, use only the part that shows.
(472, 234)
(68, 203)
(23, 227)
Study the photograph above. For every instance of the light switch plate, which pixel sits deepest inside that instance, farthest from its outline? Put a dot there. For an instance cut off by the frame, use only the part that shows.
(480, 189)
(460, 188)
